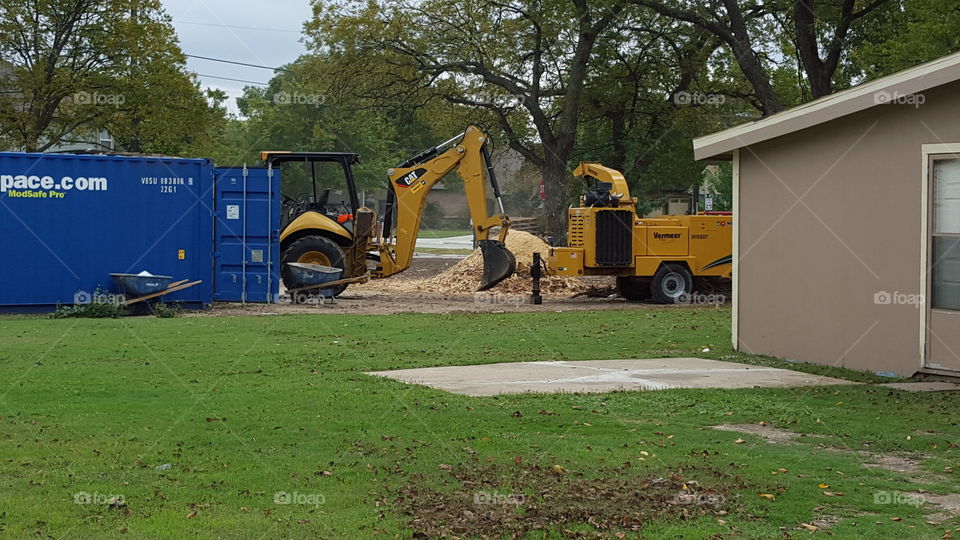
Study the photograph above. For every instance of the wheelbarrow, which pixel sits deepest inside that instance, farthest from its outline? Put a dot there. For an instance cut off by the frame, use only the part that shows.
(313, 277)
(143, 287)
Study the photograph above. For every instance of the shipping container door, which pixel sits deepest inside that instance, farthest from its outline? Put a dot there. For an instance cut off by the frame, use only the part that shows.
(247, 250)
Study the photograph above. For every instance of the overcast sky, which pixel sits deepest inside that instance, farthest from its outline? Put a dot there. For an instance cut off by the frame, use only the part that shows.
(250, 31)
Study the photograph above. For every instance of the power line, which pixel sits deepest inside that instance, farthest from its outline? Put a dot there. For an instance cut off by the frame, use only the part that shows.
(240, 27)
(234, 62)
(235, 80)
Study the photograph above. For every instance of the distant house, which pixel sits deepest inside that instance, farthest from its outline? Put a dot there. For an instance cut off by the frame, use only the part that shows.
(847, 213)
(507, 165)
(80, 140)
(86, 140)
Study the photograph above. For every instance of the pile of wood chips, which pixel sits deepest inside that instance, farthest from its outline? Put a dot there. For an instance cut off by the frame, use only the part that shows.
(465, 276)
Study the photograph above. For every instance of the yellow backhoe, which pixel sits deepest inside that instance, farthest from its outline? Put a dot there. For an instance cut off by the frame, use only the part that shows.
(350, 238)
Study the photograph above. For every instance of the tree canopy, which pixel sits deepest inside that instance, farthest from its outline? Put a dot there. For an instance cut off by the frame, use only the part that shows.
(70, 66)
(624, 82)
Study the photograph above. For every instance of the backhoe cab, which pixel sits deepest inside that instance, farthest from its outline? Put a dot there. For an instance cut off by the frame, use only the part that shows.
(316, 231)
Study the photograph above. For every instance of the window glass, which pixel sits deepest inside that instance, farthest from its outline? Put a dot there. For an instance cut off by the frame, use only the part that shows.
(946, 272)
(946, 198)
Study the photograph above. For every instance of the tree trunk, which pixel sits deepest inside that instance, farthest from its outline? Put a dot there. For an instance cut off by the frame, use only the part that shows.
(808, 49)
(556, 181)
(135, 136)
(618, 135)
(736, 35)
(757, 76)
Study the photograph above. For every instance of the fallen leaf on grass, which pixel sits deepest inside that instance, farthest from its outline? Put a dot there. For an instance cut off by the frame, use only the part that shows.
(739, 441)
(823, 486)
(192, 514)
(768, 496)
(445, 467)
(809, 527)
(518, 460)
(896, 519)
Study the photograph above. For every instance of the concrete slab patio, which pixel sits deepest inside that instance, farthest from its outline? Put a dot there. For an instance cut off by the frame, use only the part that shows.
(602, 376)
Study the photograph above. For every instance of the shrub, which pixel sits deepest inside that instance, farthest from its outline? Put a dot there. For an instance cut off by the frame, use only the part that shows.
(102, 306)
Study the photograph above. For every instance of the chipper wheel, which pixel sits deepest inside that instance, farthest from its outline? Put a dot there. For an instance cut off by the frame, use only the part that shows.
(671, 283)
(634, 287)
(312, 250)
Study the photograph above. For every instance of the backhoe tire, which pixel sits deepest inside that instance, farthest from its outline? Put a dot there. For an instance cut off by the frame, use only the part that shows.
(634, 287)
(313, 249)
(671, 284)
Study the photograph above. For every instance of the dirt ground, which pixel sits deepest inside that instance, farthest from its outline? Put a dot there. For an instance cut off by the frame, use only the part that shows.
(488, 501)
(367, 300)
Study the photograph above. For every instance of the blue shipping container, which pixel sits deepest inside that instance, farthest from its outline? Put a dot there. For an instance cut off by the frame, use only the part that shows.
(247, 233)
(68, 221)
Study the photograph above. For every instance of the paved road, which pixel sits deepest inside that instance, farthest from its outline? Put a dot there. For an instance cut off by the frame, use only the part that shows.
(451, 242)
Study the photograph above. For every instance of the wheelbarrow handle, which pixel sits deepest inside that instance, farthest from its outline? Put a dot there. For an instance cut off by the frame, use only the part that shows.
(172, 288)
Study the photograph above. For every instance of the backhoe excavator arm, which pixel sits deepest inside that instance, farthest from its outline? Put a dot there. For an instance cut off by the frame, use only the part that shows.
(412, 181)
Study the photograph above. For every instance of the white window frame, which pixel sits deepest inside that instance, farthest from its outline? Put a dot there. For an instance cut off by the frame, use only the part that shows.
(927, 150)
(735, 263)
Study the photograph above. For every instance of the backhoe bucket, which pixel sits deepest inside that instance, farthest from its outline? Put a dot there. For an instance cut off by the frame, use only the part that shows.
(498, 263)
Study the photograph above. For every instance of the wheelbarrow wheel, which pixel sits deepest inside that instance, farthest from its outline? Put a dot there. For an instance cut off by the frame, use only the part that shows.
(313, 250)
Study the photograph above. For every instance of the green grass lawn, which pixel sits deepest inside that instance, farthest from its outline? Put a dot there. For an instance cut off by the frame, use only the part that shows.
(267, 427)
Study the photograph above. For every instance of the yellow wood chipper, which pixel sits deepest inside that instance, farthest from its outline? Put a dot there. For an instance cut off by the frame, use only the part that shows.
(654, 258)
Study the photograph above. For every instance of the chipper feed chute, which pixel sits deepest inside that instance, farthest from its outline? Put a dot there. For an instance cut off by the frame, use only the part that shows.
(498, 263)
